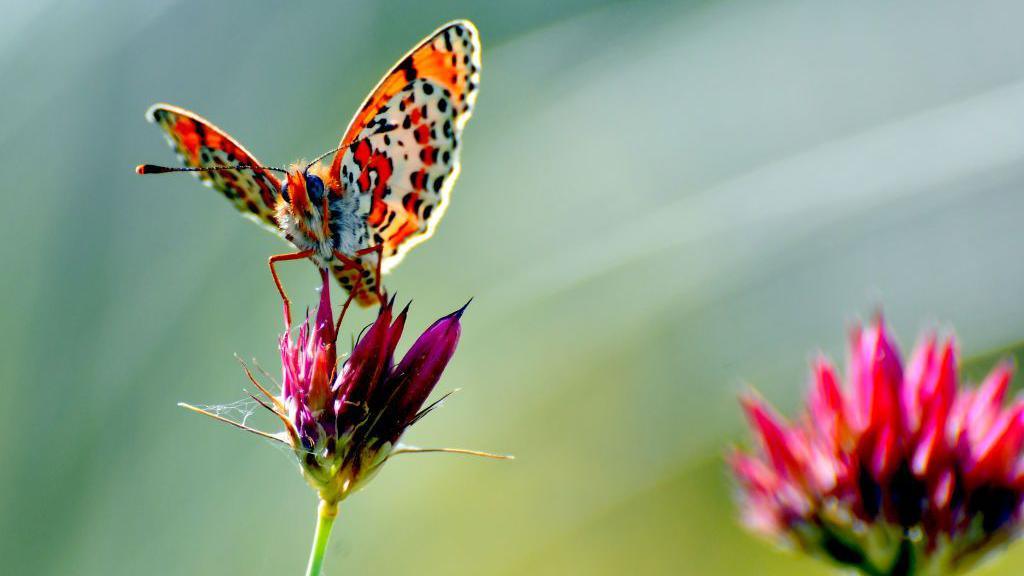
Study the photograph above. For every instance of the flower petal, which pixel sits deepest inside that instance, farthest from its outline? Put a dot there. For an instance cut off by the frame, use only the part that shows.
(416, 375)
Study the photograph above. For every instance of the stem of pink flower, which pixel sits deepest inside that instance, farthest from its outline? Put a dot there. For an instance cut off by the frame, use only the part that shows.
(326, 513)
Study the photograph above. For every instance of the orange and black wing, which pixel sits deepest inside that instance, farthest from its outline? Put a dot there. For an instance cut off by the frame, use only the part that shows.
(200, 144)
(401, 150)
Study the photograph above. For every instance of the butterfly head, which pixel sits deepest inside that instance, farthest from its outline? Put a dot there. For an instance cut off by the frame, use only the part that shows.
(302, 190)
(307, 189)
(305, 209)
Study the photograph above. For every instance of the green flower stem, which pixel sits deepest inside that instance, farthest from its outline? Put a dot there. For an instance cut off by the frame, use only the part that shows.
(326, 513)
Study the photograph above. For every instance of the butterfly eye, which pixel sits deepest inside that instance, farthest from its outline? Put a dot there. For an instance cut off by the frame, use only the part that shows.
(315, 189)
(284, 192)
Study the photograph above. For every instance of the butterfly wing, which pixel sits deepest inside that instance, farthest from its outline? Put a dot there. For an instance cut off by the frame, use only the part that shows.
(200, 144)
(401, 150)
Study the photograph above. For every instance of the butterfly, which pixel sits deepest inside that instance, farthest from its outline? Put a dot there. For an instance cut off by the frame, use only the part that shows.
(388, 184)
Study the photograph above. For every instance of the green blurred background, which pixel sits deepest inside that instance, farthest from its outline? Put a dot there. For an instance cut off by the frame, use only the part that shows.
(660, 202)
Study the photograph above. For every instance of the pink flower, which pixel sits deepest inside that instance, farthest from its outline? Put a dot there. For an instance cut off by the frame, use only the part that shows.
(343, 421)
(900, 471)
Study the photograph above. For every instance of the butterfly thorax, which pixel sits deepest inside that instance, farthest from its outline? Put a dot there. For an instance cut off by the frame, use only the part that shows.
(314, 214)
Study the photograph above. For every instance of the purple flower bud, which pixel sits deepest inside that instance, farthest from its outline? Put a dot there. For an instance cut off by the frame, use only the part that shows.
(411, 382)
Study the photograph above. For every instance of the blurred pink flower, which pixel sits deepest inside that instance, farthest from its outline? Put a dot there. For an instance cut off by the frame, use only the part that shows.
(900, 471)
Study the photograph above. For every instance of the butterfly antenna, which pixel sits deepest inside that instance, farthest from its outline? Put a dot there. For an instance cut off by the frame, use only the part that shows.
(154, 169)
(383, 130)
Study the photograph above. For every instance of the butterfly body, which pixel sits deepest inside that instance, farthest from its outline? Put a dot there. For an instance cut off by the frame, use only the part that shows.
(315, 214)
(387, 186)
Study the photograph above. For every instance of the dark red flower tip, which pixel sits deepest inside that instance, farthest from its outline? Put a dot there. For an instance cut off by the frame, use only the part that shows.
(458, 313)
(324, 314)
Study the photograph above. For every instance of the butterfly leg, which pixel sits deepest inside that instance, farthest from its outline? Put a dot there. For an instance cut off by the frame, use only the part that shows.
(352, 263)
(348, 263)
(344, 309)
(277, 281)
